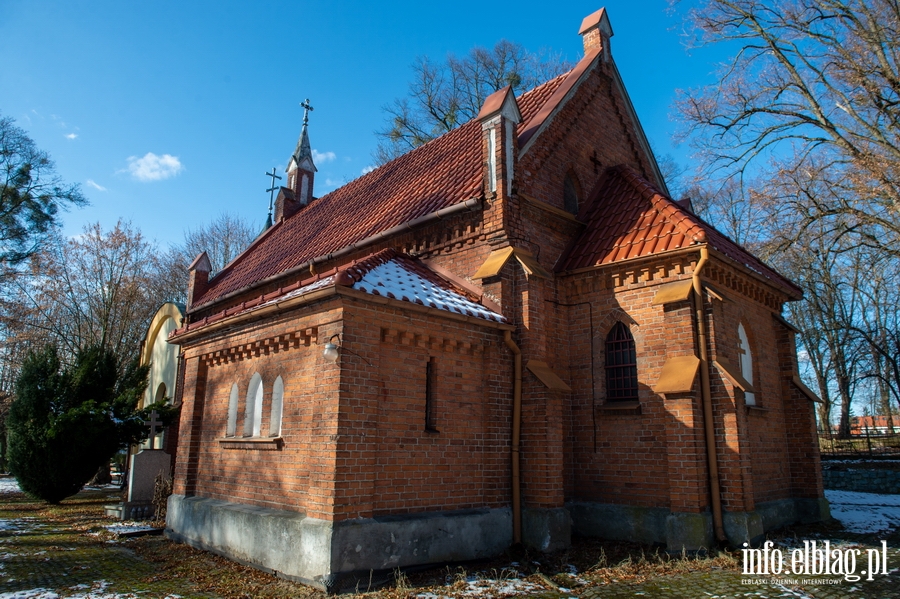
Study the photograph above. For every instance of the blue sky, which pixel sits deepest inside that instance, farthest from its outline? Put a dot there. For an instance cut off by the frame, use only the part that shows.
(169, 113)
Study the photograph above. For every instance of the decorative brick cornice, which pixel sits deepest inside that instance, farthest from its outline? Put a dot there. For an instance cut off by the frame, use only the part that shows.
(262, 347)
(430, 342)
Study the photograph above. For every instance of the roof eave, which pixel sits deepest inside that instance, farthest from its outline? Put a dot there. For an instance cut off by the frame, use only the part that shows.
(470, 205)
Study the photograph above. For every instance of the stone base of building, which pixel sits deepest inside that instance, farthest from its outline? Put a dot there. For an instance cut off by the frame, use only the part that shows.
(547, 529)
(691, 532)
(340, 556)
(360, 554)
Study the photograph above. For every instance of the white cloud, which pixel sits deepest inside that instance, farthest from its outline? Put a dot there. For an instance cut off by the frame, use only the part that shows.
(71, 136)
(321, 157)
(366, 170)
(97, 186)
(154, 168)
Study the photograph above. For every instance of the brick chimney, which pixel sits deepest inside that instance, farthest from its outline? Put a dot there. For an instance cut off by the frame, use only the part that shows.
(286, 204)
(595, 33)
(499, 116)
(198, 278)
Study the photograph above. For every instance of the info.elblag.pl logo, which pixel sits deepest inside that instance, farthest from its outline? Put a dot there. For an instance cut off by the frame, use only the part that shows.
(815, 559)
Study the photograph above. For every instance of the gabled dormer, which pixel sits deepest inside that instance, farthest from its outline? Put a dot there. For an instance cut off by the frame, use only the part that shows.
(499, 116)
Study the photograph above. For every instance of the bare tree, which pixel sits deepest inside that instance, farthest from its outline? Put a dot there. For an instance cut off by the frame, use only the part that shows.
(443, 96)
(799, 142)
(223, 239)
(815, 86)
(97, 289)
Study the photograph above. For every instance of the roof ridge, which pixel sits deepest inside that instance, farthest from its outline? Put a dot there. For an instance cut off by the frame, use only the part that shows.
(443, 135)
(355, 270)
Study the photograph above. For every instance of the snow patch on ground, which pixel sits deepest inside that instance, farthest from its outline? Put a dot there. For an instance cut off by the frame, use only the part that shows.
(488, 587)
(30, 594)
(19, 526)
(128, 527)
(864, 513)
(95, 591)
(9, 485)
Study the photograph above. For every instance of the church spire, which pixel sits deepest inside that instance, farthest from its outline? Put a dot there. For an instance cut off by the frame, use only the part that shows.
(301, 169)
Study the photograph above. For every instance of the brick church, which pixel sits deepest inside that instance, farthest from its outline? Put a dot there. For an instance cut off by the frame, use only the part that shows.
(509, 334)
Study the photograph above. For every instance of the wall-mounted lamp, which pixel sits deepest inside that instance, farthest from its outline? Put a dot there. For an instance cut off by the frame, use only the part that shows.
(331, 350)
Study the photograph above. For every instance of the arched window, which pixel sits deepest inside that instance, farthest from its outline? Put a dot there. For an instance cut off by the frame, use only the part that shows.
(160, 392)
(746, 364)
(570, 195)
(277, 405)
(233, 399)
(621, 365)
(253, 411)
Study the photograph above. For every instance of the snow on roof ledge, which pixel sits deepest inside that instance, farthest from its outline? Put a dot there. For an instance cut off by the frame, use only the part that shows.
(391, 279)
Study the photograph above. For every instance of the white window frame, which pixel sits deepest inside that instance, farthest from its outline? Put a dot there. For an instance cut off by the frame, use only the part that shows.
(233, 399)
(253, 411)
(277, 408)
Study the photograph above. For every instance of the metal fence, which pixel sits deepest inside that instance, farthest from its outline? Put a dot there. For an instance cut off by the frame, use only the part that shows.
(865, 444)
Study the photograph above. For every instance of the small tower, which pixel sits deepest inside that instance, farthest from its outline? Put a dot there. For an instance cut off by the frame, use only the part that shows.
(300, 169)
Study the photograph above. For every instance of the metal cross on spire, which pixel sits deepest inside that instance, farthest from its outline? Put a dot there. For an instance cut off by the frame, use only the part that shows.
(306, 108)
(271, 191)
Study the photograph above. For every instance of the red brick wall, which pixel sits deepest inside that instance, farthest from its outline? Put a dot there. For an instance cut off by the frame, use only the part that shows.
(387, 463)
(297, 475)
(752, 447)
(623, 456)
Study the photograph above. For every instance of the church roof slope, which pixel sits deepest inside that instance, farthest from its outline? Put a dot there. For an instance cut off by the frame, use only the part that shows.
(387, 273)
(441, 173)
(627, 217)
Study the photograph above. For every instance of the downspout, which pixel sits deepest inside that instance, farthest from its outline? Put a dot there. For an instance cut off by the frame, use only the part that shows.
(516, 433)
(706, 395)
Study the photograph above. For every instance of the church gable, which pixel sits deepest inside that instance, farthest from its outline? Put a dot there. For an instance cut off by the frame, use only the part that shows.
(627, 218)
(587, 125)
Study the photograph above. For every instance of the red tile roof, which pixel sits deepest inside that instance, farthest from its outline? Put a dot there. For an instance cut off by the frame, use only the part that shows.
(627, 217)
(388, 273)
(439, 174)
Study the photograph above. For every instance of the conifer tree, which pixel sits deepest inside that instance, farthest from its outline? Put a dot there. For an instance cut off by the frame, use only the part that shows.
(66, 422)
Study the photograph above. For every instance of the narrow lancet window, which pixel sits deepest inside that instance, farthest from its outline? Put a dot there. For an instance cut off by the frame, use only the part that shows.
(233, 399)
(430, 423)
(746, 364)
(253, 412)
(277, 408)
(570, 195)
(621, 365)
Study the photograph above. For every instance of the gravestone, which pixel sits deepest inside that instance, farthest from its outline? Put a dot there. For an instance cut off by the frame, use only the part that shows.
(145, 466)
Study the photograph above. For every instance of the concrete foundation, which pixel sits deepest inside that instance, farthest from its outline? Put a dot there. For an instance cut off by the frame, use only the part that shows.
(688, 532)
(691, 532)
(743, 527)
(619, 522)
(547, 529)
(341, 556)
(363, 553)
